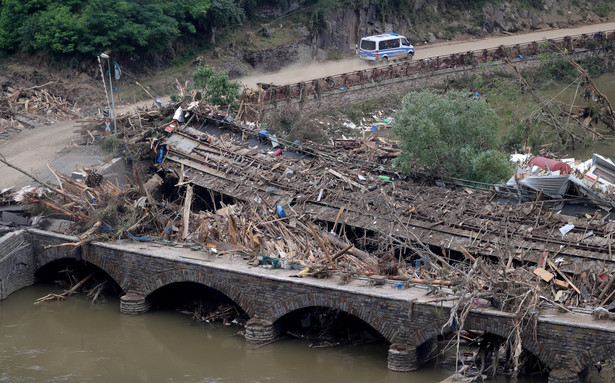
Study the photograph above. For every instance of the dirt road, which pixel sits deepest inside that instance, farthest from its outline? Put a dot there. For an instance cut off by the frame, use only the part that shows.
(304, 72)
(32, 150)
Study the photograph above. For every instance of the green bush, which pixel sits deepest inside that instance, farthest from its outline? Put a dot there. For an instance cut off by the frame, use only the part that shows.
(492, 166)
(602, 10)
(111, 144)
(454, 135)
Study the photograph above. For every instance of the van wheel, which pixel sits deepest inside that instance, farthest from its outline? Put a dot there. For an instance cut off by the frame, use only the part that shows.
(410, 56)
(385, 60)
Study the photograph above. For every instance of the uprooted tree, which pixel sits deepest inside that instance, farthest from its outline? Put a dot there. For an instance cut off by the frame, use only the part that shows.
(454, 135)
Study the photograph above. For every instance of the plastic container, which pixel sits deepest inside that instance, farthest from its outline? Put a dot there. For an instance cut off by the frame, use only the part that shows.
(281, 212)
(277, 152)
(263, 134)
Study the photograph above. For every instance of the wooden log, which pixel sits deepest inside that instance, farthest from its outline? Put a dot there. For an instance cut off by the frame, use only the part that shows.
(148, 93)
(153, 184)
(186, 211)
(365, 257)
(342, 252)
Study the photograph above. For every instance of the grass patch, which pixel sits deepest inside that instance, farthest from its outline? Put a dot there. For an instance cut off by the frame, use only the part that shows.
(334, 55)
(111, 144)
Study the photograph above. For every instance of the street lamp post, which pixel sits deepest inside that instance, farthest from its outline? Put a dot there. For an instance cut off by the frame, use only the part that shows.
(106, 56)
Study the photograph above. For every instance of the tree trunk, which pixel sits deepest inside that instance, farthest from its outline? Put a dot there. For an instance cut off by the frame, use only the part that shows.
(213, 35)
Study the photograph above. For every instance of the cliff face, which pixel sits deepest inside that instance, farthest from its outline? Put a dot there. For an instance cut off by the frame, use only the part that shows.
(440, 20)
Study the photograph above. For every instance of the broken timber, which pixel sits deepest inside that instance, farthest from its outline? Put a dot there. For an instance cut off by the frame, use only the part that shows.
(248, 175)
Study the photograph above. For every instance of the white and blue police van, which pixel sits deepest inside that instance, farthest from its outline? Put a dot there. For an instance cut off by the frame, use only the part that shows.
(384, 47)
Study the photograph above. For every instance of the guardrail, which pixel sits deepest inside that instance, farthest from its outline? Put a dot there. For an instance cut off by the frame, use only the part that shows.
(267, 93)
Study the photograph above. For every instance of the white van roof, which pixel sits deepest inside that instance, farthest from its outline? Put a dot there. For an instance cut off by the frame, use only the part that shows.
(383, 36)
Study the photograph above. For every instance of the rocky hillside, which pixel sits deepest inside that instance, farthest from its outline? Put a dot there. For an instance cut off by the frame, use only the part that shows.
(438, 20)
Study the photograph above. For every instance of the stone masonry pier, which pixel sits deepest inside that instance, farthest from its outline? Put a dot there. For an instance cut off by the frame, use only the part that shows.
(568, 344)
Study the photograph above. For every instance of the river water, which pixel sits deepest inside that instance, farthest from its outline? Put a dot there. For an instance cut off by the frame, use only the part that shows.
(75, 341)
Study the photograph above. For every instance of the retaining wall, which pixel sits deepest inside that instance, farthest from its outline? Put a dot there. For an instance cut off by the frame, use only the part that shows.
(396, 87)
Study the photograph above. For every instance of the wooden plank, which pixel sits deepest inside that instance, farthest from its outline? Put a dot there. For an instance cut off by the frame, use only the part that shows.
(544, 274)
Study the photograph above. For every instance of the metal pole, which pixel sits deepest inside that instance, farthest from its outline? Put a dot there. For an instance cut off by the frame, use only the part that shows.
(102, 75)
(111, 87)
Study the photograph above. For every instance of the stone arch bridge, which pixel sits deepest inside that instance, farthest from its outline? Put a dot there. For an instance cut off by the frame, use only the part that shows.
(567, 344)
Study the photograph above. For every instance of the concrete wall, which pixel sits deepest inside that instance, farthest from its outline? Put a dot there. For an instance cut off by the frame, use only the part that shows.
(573, 342)
(16, 263)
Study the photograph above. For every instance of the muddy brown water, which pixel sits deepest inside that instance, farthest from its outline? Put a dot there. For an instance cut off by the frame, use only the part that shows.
(75, 341)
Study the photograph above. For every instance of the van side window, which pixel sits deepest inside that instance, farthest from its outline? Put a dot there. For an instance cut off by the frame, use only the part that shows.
(405, 42)
(389, 44)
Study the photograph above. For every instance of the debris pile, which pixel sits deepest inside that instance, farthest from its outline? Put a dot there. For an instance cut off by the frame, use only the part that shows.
(277, 201)
(565, 180)
(21, 108)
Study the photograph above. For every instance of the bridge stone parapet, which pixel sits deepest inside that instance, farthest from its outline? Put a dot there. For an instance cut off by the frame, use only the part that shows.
(566, 344)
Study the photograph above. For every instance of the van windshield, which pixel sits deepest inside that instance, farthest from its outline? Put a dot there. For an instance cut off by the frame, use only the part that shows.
(368, 45)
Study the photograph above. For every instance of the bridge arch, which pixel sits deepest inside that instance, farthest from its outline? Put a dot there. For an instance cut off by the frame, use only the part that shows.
(82, 254)
(588, 358)
(366, 313)
(426, 333)
(225, 287)
(43, 262)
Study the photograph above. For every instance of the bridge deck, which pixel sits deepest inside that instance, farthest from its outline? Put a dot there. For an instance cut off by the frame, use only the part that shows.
(441, 217)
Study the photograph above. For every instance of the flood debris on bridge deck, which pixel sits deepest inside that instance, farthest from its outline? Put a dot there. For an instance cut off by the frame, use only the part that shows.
(339, 211)
(380, 225)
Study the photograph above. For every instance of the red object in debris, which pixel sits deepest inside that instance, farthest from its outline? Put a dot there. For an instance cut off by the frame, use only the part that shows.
(170, 127)
(277, 152)
(553, 165)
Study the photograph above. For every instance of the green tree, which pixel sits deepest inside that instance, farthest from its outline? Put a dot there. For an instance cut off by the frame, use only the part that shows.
(454, 135)
(14, 15)
(216, 88)
(223, 13)
(56, 29)
(94, 26)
